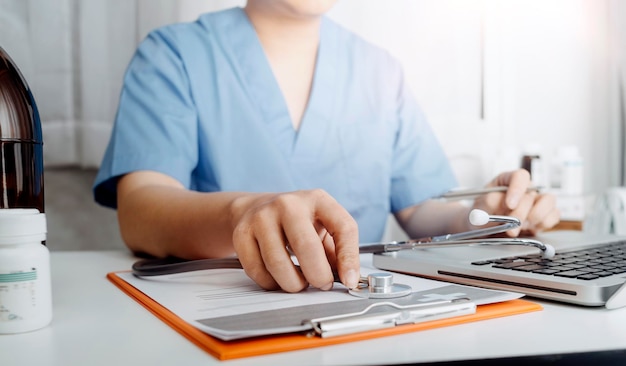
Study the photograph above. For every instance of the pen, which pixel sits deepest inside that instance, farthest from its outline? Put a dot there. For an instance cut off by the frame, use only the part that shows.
(469, 193)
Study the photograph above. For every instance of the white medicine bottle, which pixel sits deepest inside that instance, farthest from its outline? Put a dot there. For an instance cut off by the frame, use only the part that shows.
(25, 285)
(571, 170)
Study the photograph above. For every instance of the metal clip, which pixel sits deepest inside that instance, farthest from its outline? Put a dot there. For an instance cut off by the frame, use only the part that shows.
(371, 318)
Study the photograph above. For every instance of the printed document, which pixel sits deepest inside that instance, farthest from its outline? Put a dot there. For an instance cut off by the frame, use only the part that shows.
(226, 304)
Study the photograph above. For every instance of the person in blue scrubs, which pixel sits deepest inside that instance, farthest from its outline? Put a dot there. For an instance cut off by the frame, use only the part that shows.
(270, 130)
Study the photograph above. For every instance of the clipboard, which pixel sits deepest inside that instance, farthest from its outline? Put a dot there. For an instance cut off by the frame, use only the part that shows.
(269, 344)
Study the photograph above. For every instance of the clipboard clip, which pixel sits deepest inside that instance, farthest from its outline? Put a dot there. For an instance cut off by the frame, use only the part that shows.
(375, 317)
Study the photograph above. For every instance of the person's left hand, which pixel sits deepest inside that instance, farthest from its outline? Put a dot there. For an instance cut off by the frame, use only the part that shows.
(536, 211)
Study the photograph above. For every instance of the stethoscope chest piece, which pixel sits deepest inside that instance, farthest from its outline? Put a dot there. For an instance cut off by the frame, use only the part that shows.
(380, 286)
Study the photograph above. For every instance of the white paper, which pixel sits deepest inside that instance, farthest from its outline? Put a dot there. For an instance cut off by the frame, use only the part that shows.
(228, 294)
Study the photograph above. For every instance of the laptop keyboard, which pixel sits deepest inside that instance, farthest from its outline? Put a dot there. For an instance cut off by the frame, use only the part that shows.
(585, 264)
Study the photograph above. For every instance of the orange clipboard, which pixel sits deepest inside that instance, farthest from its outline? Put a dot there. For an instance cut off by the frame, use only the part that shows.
(225, 350)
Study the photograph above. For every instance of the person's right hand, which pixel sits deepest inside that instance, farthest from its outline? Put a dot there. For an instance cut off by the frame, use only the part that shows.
(311, 224)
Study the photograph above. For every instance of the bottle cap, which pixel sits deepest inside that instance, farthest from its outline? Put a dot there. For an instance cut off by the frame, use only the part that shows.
(21, 223)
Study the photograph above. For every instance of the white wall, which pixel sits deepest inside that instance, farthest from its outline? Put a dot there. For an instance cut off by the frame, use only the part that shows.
(557, 81)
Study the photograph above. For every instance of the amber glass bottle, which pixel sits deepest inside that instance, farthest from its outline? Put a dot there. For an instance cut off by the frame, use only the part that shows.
(21, 142)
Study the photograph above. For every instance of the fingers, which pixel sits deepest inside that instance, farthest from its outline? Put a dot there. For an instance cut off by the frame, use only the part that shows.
(537, 212)
(317, 230)
(345, 237)
(544, 214)
(521, 212)
(306, 244)
(517, 181)
(248, 248)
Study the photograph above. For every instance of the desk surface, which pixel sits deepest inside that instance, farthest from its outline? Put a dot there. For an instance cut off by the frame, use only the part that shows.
(96, 324)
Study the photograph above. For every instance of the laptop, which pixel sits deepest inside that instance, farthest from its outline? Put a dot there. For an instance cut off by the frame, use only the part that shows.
(587, 270)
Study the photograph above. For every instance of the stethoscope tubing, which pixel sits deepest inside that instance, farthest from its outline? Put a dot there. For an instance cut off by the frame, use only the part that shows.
(172, 265)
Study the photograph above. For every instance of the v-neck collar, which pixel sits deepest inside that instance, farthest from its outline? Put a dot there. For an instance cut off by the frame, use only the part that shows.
(317, 118)
(264, 90)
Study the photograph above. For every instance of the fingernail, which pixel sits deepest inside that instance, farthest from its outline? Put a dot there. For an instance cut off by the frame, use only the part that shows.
(352, 279)
(513, 201)
(327, 287)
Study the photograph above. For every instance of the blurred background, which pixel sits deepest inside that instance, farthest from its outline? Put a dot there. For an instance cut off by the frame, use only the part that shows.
(497, 80)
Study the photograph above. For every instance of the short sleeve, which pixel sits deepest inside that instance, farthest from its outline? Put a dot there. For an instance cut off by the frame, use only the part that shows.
(156, 123)
(420, 168)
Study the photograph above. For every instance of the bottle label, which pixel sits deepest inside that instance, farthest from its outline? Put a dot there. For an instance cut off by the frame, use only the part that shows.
(18, 295)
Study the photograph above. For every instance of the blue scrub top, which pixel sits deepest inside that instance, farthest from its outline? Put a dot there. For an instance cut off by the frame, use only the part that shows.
(200, 103)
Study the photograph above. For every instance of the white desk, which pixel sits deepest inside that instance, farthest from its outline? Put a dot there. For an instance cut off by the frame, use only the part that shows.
(97, 324)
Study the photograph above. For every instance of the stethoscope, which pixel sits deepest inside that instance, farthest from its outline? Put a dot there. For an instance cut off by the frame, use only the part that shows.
(376, 285)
